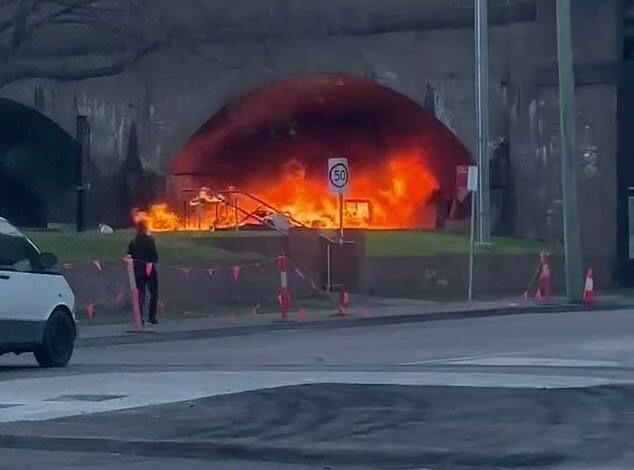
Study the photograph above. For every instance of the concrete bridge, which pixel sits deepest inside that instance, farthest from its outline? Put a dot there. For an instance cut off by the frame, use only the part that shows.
(147, 75)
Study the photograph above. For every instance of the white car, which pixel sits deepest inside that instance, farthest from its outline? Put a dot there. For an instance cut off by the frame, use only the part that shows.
(36, 302)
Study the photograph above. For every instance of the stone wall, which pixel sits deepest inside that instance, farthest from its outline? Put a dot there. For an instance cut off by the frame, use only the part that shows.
(534, 126)
(411, 47)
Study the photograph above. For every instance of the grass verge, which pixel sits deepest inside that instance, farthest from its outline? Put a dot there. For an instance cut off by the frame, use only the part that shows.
(186, 245)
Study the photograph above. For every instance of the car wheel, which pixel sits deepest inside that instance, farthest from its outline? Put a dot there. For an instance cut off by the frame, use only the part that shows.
(59, 341)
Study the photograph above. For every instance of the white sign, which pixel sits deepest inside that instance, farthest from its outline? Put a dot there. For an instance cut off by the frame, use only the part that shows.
(472, 179)
(338, 175)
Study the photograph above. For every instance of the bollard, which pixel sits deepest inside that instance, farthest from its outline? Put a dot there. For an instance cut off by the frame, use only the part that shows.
(588, 290)
(543, 292)
(134, 293)
(284, 297)
(344, 301)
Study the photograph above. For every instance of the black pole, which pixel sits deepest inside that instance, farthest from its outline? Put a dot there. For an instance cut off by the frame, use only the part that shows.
(82, 154)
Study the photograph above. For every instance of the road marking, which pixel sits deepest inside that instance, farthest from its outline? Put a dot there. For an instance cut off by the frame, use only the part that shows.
(444, 360)
(32, 396)
(532, 362)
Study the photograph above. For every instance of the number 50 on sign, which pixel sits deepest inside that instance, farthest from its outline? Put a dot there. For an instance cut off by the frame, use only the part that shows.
(338, 175)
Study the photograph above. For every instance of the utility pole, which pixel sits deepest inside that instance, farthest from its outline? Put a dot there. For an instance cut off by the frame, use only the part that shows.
(572, 239)
(482, 120)
(83, 141)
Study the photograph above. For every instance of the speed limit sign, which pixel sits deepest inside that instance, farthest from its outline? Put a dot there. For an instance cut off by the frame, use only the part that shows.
(338, 175)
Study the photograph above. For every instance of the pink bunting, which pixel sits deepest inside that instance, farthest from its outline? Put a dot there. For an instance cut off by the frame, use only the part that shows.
(299, 273)
(149, 267)
(235, 271)
(186, 272)
(90, 310)
(97, 264)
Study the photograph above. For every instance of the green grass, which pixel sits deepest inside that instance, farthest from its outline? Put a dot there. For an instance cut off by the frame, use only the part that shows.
(175, 246)
(186, 245)
(427, 243)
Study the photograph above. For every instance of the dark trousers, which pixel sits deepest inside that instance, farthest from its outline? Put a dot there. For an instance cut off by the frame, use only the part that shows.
(143, 282)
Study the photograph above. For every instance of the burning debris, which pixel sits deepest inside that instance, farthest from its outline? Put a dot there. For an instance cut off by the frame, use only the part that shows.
(273, 145)
(394, 195)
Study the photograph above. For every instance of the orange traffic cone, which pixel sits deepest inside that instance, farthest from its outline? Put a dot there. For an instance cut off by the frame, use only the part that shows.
(588, 291)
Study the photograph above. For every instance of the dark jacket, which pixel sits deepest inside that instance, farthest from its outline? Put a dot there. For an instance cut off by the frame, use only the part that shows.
(143, 248)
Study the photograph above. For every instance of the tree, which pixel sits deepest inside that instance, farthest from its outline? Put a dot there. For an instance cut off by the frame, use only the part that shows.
(79, 39)
(75, 39)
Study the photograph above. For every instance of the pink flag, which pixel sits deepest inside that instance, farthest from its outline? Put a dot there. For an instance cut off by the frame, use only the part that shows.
(90, 310)
(97, 264)
(299, 273)
(148, 268)
(186, 272)
(235, 271)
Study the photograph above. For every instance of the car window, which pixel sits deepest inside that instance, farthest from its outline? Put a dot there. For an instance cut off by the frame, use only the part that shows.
(16, 253)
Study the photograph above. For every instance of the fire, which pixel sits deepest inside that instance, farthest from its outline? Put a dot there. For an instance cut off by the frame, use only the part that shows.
(160, 218)
(393, 194)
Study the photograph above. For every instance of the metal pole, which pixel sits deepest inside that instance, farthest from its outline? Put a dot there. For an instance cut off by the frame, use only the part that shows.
(572, 239)
(482, 119)
(237, 221)
(329, 268)
(472, 244)
(82, 155)
(341, 218)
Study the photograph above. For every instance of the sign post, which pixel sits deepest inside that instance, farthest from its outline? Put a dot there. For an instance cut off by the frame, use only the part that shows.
(338, 179)
(467, 183)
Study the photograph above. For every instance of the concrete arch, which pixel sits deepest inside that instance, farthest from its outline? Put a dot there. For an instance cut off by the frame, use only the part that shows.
(252, 140)
(37, 167)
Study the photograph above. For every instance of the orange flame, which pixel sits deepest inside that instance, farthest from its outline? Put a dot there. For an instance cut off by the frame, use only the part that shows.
(394, 194)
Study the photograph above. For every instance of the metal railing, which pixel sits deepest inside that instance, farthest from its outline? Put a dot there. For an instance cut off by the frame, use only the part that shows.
(233, 202)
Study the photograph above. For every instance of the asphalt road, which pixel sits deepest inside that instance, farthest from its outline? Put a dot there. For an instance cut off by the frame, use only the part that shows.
(528, 391)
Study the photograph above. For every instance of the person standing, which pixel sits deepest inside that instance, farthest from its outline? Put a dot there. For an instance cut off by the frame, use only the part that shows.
(143, 251)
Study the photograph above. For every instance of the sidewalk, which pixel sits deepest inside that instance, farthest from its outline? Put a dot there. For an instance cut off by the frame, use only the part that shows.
(360, 313)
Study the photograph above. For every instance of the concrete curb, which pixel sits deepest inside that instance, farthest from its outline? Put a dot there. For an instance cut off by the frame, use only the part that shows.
(388, 456)
(346, 321)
